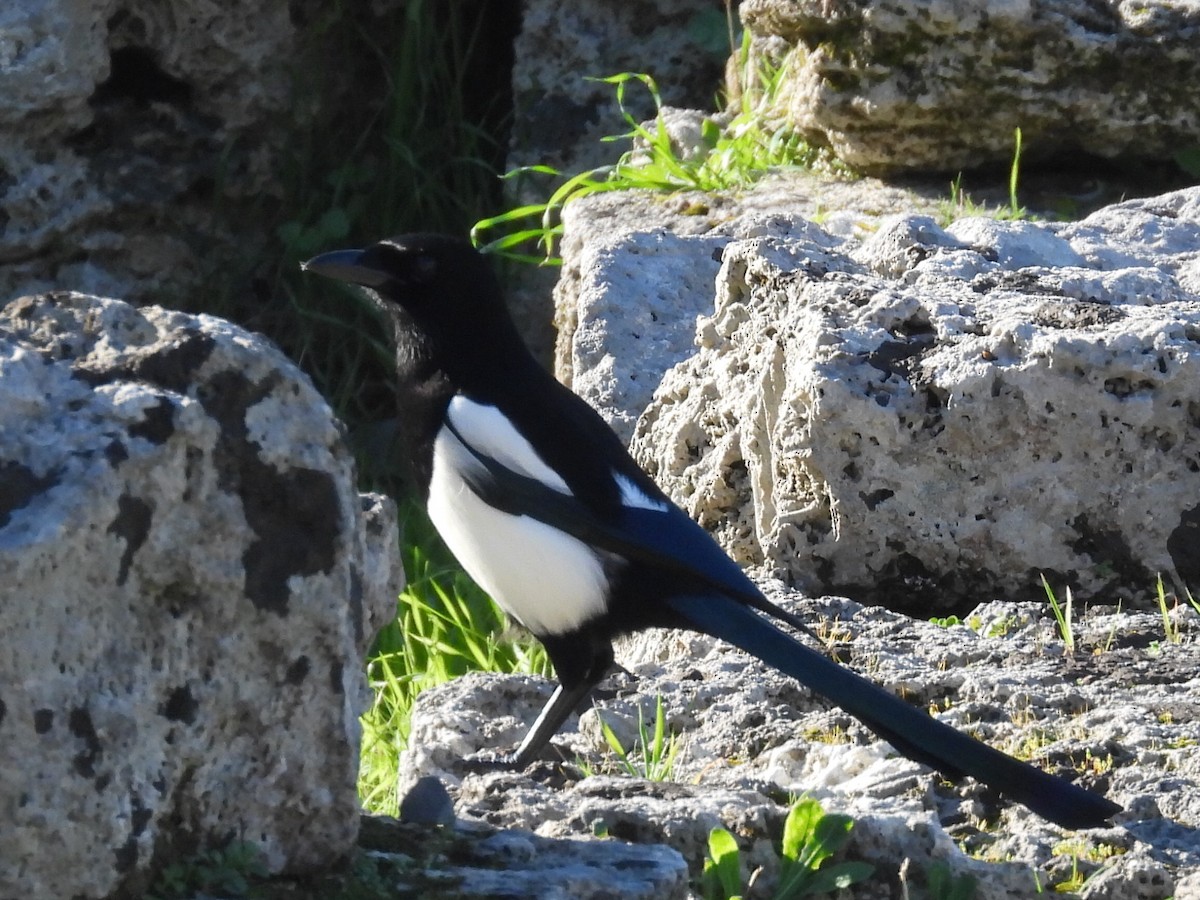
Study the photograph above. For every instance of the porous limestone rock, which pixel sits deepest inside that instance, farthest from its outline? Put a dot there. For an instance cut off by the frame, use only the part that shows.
(638, 268)
(189, 582)
(473, 861)
(121, 122)
(920, 418)
(942, 84)
(1117, 715)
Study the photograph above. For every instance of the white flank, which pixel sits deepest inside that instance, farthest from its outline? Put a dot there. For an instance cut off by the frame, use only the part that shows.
(635, 497)
(548, 581)
(488, 431)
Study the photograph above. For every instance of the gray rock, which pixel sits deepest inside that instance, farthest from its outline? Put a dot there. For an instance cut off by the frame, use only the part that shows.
(1117, 715)
(481, 863)
(144, 147)
(121, 124)
(189, 583)
(1132, 877)
(942, 85)
(927, 415)
(427, 803)
(1187, 887)
(526, 865)
(638, 268)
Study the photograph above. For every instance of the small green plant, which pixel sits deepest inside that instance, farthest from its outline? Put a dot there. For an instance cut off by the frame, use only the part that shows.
(997, 628)
(1171, 629)
(1015, 209)
(654, 750)
(229, 872)
(943, 884)
(1081, 848)
(733, 156)
(1095, 764)
(835, 734)
(810, 837)
(1063, 615)
(946, 621)
(1001, 627)
(723, 869)
(1030, 744)
(960, 205)
(1074, 882)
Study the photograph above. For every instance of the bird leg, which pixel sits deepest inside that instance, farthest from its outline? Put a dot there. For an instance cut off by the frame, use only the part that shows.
(560, 705)
(580, 667)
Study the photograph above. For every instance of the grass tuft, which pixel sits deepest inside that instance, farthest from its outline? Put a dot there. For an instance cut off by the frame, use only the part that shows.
(1063, 615)
(959, 205)
(654, 749)
(731, 156)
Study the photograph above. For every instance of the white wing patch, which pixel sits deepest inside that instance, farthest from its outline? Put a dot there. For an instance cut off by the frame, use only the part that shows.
(634, 497)
(487, 430)
(549, 581)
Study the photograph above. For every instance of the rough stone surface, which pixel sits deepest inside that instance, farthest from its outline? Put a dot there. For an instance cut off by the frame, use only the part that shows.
(942, 84)
(189, 582)
(618, 330)
(145, 146)
(1117, 715)
(916, 418)
(121, 123)
(478, 862)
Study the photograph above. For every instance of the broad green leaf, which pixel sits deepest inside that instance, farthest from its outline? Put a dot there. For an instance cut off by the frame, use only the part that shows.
(724, 862)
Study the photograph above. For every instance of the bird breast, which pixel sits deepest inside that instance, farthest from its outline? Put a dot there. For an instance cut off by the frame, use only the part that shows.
(547, 580)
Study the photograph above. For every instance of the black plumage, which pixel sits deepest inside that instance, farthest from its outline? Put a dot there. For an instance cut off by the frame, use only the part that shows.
(544, 507)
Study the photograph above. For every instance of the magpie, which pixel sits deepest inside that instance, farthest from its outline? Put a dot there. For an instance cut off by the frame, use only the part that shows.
(545, 509)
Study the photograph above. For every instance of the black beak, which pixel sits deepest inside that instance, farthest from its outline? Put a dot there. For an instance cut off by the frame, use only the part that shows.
(345, 265)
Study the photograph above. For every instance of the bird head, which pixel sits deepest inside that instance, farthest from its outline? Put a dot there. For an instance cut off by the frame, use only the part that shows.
(412, 270)
(438, 290)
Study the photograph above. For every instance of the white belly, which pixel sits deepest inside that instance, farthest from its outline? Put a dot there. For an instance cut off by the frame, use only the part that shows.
(548, 581)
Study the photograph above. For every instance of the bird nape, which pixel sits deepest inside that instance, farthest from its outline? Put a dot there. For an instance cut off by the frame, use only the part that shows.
(543, 506)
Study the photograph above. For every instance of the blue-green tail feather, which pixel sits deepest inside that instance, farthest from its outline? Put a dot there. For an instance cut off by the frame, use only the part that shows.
(910, 730)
